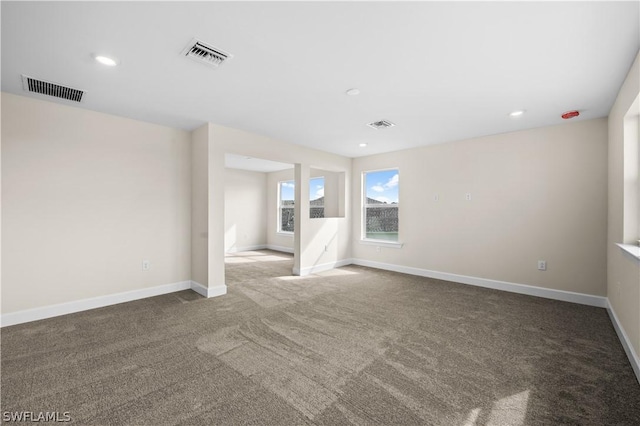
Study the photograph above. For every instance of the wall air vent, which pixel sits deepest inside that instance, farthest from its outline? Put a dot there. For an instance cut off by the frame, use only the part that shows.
(42, 87)
(382, 124)
(205, 54)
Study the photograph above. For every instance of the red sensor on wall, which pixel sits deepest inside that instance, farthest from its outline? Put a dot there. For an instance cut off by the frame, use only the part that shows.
(570, 114)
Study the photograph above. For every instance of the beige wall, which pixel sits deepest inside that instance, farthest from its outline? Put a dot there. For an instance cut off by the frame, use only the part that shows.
(1, 95)
(536, 195)
(623, 277)
(245, 209)
(86, 197)
(200, 205)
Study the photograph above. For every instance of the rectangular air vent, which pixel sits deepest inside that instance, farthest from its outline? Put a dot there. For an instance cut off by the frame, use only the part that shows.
(205, 54)
(382, 124)
(51, 89)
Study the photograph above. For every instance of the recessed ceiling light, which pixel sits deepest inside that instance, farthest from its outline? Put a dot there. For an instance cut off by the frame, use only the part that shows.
(517, 113)
(105, 60)
(353, 92)
(362, 145)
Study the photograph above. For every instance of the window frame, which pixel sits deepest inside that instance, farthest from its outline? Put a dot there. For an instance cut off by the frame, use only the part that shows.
(631, 183)
(363, 214)
(315, 207)
(279, 229)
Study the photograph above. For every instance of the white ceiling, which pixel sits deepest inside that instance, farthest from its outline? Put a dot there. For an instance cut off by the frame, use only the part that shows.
(439, 71)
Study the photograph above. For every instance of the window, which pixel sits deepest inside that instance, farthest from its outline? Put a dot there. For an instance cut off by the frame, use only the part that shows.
(286, 204)
(631, 167)
(327, 193)
(380, 212)
(631, 180)
(316, 197)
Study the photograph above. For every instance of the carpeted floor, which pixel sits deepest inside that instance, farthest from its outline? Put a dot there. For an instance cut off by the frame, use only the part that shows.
(349, 346)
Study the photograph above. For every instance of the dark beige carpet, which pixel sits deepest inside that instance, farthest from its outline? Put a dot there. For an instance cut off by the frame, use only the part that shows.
(350, 346)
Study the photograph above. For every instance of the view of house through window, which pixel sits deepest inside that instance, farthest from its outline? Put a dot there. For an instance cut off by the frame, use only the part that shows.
(380, 212)
(286, 203)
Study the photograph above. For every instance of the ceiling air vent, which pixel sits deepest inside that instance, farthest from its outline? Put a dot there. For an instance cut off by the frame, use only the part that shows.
(51, 89)
(382, 124)
(205, 54)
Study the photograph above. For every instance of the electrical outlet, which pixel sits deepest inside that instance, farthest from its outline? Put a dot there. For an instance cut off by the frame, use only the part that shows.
(542, 265)
(436, 197)
(467, 196)
(146, 265)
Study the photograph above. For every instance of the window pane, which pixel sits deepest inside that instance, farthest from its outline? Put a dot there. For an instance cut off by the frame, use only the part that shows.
(316, 197)
(286, 206)
(381, 205)
(286, 219)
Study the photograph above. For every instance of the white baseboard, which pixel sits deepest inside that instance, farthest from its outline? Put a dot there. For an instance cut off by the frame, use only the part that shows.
(199, 288)
(321, 268)
(35, 314)
(51, 311)
(247, 248)
(279, 248)
(260, 247)
(624, 339)
(208, 291)
(566, 296)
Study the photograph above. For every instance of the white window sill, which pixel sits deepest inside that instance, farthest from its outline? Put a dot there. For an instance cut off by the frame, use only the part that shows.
(631, 249)
(284, 234)
(382, 243)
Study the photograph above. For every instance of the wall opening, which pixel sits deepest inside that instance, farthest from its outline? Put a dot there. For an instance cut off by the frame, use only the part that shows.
(631, 211)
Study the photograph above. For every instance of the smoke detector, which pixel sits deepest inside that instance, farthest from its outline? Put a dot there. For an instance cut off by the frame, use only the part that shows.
(205, 54)
(48, 88)
(570, 114)
(382, 124)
